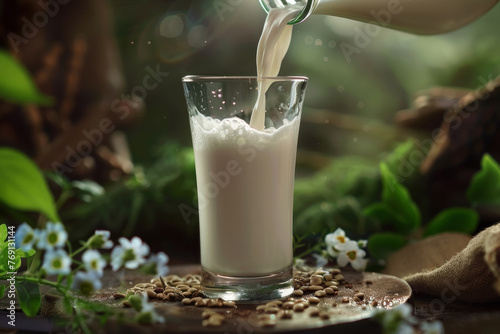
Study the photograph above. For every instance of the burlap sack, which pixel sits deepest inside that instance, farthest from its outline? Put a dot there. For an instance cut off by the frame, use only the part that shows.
(472, 275)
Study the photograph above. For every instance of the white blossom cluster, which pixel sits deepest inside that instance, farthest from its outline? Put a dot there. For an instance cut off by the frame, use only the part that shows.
(344, 250)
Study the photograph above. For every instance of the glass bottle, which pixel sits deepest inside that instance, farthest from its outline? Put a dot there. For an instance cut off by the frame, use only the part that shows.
(422, 17)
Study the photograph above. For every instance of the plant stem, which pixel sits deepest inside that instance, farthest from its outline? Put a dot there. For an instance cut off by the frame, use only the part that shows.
(63, 198)
(79, 250)
(34, 263)
(81, 321)
(307, 252)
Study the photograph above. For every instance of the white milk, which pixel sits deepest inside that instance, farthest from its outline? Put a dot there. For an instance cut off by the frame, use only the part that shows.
(245, 176)
(245, 188)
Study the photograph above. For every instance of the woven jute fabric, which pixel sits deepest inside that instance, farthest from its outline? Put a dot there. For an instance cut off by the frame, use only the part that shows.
(471, 275)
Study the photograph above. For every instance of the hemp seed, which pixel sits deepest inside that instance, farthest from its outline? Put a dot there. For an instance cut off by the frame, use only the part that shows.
(314, 300)
(298, 293)
(320, 293)
(314, 312)
(299, 307)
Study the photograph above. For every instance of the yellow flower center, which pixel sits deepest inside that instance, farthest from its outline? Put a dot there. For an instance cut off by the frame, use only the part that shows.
(351, 255)
(52, 238)
(28, 238)
(57, 263)
(341, 239)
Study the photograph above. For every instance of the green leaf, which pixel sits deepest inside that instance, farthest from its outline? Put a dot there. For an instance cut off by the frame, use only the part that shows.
(23, 254)
(381, 245)
(382, 213)
(2, 290)
(29, 297)
(3, 232)
(453, 220)
(16, 85)
(485, 185)
(23, 186)
(398, 199)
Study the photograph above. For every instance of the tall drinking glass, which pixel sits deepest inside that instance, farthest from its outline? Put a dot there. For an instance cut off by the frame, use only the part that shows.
(245, 183)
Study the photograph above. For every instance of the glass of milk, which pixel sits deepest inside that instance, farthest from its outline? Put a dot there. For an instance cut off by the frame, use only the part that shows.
(245, 181)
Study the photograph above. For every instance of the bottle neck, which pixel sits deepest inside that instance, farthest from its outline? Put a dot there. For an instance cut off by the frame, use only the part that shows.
(307, 7)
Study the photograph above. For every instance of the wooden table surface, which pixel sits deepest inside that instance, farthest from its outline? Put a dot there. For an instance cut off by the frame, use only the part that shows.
(457, 317)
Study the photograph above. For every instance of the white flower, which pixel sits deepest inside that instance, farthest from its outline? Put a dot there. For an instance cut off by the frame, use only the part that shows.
(147, 311)
(397, 320)
(433, 327)
(321, 260)
(335, 242)
(351, 253)
(129, 253)
(56, 262)
(86, 282)
(26, 237)
(157, 264)
(53, 236)
(362, 243)
(93, 261)
(100, 239)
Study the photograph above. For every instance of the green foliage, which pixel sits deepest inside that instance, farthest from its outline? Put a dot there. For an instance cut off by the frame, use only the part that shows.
(29, 297)
(334, 196)
(397, 207)
(453, 220)
(2, 290)
(10, 258)
(16, 85)
(150, 195)
(23, 186)
(383, 244)
(484, 188)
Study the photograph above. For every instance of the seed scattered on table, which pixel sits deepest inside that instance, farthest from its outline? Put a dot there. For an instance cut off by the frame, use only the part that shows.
(298, 293)
(299, 307)
(285, 314)
(320, 293)
(314, 300)
(314, 312)
(200, 303)
(324, 316)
